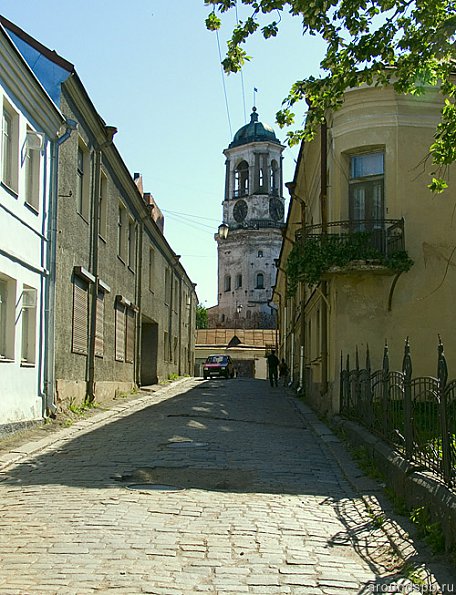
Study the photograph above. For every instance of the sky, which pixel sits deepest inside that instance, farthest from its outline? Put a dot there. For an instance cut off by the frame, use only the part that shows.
(153, 70)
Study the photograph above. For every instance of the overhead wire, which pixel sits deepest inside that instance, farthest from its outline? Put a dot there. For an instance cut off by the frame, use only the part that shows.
(242, 75)
(224, 85)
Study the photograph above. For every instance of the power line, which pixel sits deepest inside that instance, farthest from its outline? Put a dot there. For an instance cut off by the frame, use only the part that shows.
(188, 215)
(224, 86)
(242, 75)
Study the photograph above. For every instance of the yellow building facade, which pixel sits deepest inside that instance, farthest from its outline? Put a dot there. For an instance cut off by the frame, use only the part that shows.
(359, 210)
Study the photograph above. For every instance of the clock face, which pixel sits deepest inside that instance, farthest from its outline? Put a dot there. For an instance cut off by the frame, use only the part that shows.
(276, 209)
(240, 210)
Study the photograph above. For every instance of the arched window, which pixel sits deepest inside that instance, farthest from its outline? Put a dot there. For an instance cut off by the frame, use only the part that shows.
(260, 178)
(241, 179)
(274, 181)
(260, 281)
(228, 283)
(238, 281)
(260, 253)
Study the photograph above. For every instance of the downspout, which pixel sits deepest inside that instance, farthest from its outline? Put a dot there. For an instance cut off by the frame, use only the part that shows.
(49, 406)
(139, 260)
(324, 228)
(110, 132)
(180, 328)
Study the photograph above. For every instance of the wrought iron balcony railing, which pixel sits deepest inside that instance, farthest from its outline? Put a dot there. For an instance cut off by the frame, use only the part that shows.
(385, 236)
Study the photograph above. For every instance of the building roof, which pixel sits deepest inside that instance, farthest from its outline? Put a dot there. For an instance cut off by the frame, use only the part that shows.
(239, 338)
(254, 131)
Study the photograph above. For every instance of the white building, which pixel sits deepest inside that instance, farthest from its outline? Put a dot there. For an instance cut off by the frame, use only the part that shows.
(30, 125)
(253, 209)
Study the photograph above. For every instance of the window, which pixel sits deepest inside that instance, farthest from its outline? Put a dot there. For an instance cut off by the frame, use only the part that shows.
(7, 304)
(10, 147)
(80, 316)
(241, 179)
(274, 181)
(176, 295)
(260, 178)
(366, 202)
(260, 281)
(130, 335)
(99, 329)
(167, 285)
(228, 283)
(32, 171)
(122, 232)
(238, 281)
(28, 314)
(103, 207)
(175, 345)
(131, 244)
(82, 182)
(151, 269)
(165, 346)
(120, 331)
(260, 253)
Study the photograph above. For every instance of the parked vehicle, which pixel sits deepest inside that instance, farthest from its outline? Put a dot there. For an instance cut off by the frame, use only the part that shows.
(218, 365)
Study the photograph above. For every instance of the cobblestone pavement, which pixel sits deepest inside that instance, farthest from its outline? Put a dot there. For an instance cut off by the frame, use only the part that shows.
(223, 487)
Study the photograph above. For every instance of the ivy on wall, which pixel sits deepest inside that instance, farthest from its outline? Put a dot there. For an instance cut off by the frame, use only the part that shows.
(310, 259)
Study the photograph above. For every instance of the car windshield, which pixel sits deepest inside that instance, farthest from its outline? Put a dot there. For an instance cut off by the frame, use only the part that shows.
(216, 359)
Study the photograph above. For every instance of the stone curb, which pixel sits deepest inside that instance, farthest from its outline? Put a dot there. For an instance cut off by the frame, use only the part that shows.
(27, 449)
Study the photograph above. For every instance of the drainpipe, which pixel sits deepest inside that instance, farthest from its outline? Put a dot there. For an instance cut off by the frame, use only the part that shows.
(324, 284)
(49, 406)
(110, 132)
(139, 261)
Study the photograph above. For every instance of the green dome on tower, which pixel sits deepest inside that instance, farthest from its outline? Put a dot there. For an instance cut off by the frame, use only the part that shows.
(254, 131)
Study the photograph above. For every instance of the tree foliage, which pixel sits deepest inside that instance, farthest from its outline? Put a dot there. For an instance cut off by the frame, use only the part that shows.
(201, 316)
(408, 44)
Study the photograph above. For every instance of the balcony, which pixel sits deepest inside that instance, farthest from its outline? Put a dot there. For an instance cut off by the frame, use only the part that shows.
(376, 246)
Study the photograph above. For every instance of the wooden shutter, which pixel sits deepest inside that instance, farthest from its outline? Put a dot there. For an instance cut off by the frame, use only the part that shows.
(80, 316)
(130, 336)
(120, 332)
(99, 335)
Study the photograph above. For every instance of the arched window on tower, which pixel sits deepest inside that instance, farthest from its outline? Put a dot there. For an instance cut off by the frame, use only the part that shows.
(274, 181)
(241, 180)
(260, 178)
(260, 281)
(238, 281)
(260, 253)
(228, 283)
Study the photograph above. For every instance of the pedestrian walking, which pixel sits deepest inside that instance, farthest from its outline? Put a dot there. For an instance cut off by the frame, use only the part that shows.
(283, 372)
(273, 365)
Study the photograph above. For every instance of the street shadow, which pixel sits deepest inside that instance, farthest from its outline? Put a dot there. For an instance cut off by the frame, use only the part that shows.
(236, 435)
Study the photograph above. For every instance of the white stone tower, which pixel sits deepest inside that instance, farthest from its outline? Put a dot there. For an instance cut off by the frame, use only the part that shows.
(253, 209)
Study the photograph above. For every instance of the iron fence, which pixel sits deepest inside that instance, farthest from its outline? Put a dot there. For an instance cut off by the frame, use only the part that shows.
(416, 416)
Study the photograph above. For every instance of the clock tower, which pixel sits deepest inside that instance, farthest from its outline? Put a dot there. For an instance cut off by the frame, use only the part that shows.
(253, 209)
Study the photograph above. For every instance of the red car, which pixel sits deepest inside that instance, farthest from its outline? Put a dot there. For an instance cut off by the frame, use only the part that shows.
(218, 365)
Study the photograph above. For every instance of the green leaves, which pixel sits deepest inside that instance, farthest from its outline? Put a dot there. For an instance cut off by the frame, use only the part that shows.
(368, 42)
(310, 259)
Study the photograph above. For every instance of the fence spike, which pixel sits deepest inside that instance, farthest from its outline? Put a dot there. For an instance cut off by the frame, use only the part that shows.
(442, 368)
(407, 360)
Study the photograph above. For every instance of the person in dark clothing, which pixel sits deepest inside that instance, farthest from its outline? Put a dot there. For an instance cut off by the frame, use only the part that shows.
(283, 372)
(273, 365)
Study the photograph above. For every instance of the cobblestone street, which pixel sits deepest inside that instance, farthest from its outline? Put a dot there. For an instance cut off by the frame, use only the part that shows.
(216, 486)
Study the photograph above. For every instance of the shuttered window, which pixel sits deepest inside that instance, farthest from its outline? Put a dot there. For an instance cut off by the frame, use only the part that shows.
(80, 316)
(120, 332)
(130, 336)
(99, 334)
